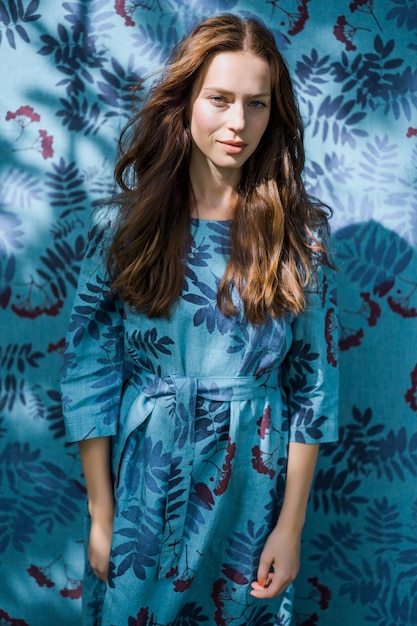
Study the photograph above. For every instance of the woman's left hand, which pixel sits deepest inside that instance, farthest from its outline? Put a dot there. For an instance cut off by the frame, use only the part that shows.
(281, 554)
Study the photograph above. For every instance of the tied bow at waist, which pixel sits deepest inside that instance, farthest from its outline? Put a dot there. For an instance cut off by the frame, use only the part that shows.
(178, 419)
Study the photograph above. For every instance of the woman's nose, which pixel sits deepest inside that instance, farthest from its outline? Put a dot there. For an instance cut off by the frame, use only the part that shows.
(236, 120)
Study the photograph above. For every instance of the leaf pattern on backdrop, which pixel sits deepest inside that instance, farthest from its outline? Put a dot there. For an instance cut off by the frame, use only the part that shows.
(76, 64)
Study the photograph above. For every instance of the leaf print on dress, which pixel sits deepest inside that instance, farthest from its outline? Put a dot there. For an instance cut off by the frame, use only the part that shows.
(147, 466)
(244, 550)
(201, 499)
(262, 347)
(201, 496)
(411, 393)
(137, 544)
(186, 578)
(225, 473)
(199, 256)
(93, 312)
(265, 460)
(142, 619)
(332, 327)
(300, 387)
(211, 424)
(220, 236)
(94, 318)
(230, 610)
(145, 350)
(41, 575)
(151, 464)
(190, 615)
(209, 312)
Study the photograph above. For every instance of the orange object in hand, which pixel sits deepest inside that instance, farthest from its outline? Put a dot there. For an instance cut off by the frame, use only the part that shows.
(264, 583)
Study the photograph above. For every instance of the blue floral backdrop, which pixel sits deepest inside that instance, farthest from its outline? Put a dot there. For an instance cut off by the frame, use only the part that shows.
(67, 71)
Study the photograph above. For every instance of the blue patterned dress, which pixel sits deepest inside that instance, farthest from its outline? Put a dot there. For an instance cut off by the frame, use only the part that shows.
(200, 409)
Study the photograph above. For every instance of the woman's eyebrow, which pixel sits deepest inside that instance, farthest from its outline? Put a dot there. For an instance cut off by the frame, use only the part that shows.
(266, 94)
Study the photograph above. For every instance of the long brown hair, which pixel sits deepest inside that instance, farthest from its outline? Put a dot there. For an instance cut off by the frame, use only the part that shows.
(273, 245)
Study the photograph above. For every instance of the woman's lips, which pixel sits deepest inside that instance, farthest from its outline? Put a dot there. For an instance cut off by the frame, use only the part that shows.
(233, 147)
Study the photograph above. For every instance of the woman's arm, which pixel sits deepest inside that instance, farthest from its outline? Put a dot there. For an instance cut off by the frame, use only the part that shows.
(92, 381)
(309, 377)
(282, 549)
(95, 458)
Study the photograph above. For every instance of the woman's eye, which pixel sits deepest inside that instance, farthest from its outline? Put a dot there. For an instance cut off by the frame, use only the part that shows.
(218, 99)
(257, 104)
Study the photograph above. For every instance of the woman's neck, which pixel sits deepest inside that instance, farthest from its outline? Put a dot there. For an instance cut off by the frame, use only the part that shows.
(213, 196)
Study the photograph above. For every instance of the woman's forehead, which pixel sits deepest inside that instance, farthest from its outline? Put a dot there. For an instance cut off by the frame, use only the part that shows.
(245, 71)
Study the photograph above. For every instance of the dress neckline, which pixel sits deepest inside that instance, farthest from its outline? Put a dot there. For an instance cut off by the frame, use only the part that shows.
(197, 221)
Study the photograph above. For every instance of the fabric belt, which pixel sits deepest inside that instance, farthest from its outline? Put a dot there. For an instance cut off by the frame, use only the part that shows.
(180, 436)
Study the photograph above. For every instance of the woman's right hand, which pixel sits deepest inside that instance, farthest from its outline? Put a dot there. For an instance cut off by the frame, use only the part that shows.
(99, 545)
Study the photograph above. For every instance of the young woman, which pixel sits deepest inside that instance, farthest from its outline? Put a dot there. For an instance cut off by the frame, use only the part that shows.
(200, 370)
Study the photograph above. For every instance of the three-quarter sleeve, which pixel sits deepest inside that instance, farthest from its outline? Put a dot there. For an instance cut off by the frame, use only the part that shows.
(310, 370)
(93, 361)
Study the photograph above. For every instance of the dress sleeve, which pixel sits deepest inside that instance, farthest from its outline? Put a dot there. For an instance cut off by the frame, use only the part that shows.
(310, 370)
(93, 360)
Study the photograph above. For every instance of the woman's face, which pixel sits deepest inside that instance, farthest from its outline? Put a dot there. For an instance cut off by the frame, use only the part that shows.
(230, 111)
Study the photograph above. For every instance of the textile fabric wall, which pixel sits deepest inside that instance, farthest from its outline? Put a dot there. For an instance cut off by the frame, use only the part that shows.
(66, 72)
